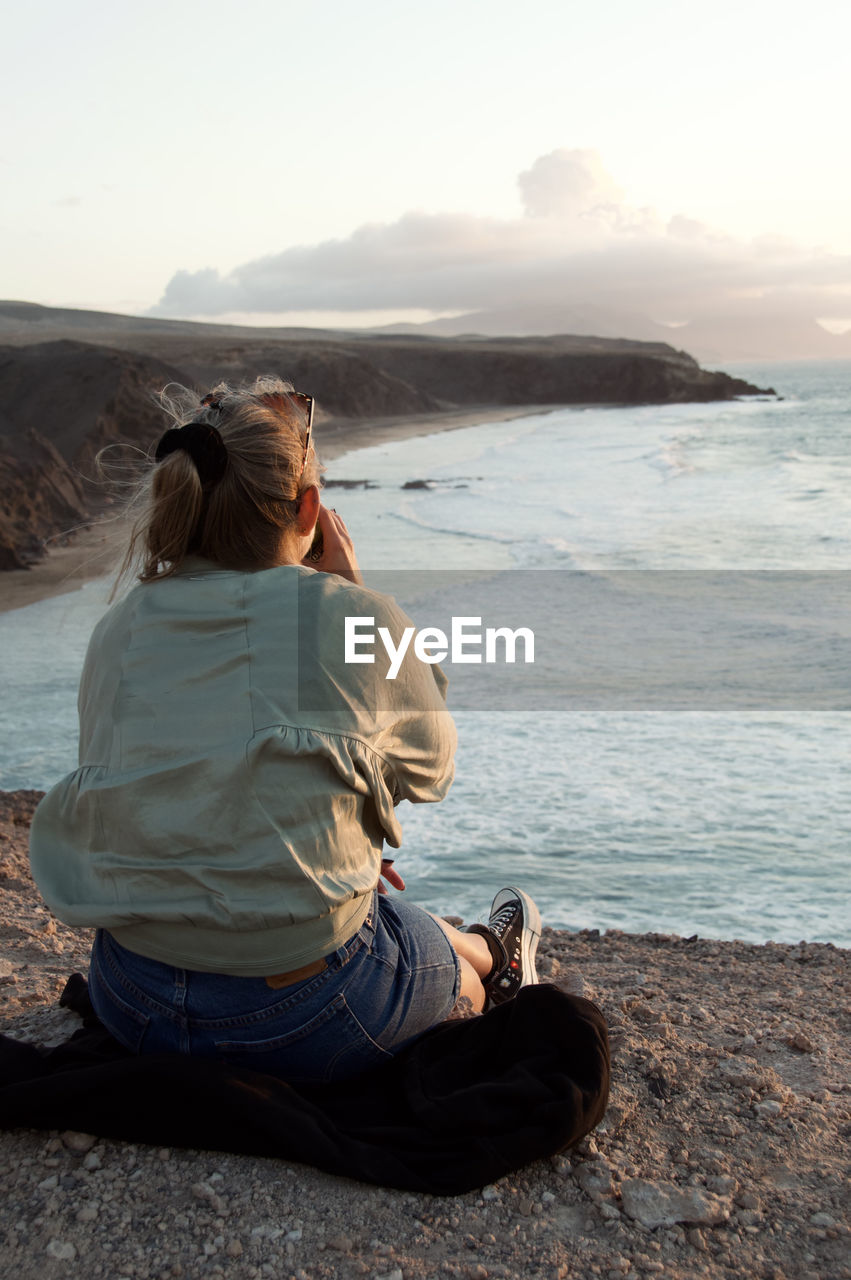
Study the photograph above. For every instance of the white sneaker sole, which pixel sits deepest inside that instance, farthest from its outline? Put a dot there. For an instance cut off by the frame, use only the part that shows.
(531, 930)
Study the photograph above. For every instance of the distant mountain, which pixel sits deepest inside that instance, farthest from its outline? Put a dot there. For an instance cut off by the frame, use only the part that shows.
(761, 337)
(746, 335)
(717, 338)
(532, 321)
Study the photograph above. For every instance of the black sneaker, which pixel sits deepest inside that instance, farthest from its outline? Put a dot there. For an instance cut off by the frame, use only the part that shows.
(516, 922)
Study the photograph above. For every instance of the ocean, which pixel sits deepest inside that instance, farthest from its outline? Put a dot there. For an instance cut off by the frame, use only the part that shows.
(676, 759)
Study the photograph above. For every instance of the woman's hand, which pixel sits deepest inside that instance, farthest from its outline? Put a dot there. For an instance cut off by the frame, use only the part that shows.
(338, 552)
(392, 877)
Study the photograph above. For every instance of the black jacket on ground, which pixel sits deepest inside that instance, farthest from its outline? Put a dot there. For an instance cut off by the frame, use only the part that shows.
(465, 1104)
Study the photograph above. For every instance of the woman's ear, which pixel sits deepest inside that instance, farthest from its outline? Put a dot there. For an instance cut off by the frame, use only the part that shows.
(308, 510)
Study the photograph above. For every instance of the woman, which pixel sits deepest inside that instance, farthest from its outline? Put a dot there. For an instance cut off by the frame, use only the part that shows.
(237, 778)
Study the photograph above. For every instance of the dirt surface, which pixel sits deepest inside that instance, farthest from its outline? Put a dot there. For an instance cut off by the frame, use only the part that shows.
(724, 1152)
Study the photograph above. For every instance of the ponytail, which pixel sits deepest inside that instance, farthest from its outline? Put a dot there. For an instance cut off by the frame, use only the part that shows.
(245, 515)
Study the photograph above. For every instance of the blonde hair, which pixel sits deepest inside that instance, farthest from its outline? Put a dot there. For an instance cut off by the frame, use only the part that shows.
(245, 518)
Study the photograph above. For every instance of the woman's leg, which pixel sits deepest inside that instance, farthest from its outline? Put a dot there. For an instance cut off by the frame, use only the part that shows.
(476, 963)
(498, 958)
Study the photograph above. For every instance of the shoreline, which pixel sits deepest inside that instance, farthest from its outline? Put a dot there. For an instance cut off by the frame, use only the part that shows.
(92, 552)
(722, 1153)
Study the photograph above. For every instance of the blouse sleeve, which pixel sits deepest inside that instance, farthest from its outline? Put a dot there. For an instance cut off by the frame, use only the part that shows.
(402, 715)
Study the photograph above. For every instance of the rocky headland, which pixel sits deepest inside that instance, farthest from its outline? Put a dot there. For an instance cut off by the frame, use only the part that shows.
(72, 382)
(724, 1152)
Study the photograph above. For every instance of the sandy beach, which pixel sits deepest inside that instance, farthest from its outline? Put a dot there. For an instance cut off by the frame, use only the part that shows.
(94, 550)
(723, 1153)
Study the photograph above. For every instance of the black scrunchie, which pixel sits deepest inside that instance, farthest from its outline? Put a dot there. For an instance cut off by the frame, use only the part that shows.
(205, 447)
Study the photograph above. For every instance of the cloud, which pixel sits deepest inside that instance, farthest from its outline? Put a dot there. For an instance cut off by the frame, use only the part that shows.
(565, 183)
(578, 241)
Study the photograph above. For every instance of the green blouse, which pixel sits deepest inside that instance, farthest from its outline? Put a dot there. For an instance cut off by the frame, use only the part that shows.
(237, 778)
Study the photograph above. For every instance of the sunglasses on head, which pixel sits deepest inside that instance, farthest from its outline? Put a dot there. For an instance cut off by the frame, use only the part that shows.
(304, 402)
(307, 403)
(273, 400)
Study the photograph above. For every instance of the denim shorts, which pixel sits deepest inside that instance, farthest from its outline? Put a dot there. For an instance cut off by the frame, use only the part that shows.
(397, 977)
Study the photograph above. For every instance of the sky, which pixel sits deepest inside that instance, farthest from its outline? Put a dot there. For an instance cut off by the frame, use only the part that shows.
(359, 162)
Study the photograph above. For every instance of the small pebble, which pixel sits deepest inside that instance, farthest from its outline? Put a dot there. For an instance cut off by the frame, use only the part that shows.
(722, 1184)
(63, 1250)
(800, 1042)
(81, 1142)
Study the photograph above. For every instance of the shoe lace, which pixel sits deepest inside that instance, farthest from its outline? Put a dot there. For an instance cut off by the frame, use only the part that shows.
(500, 922)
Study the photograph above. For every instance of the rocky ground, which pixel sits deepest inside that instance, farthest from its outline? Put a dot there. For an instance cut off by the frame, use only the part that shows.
(724, 1151)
